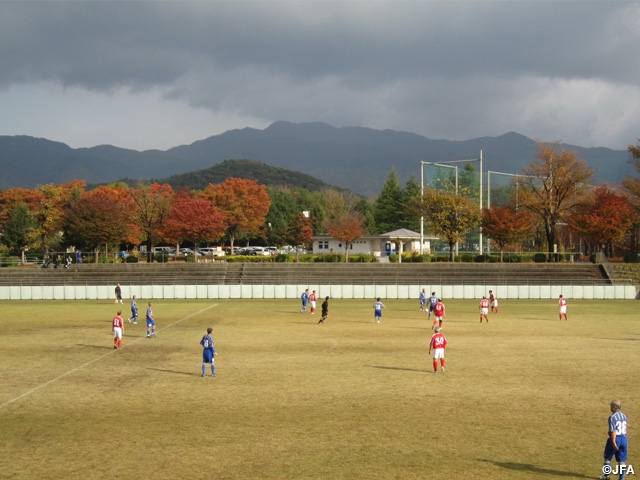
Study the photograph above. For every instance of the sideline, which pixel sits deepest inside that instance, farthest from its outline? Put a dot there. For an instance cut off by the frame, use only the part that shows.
(111, 352)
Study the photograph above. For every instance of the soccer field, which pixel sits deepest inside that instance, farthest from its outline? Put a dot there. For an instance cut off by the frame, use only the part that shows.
(524, 396)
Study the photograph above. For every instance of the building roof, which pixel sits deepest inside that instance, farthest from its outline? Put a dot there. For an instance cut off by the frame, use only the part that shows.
(401, 234)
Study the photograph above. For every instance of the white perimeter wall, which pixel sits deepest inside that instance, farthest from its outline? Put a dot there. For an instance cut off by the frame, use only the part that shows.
(615, 292)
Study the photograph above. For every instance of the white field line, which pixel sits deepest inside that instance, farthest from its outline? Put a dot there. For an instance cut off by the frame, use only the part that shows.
(111, 352)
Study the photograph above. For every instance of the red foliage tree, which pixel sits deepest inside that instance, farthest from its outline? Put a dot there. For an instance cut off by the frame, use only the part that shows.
(299, 232)
(193, 219)
(102, 216)
(605, 218)
(346, 226)
(505, 226)
(12, 197)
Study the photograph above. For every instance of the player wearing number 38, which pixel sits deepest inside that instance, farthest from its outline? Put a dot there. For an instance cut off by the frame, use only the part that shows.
(616, 443)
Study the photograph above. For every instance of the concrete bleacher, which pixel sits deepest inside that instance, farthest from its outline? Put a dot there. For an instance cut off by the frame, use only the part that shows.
(308, 273)
(175, 280)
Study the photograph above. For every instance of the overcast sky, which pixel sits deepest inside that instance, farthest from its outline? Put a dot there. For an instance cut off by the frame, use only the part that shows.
(145, 75)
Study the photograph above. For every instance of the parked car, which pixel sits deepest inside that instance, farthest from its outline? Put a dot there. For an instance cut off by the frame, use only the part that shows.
(164, 251)
(257, 251)
(213, 251)
(186, 251)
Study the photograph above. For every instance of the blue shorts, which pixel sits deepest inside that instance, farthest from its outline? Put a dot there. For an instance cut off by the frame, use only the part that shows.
(620, 454)
(378, 313)
(134, 312)
(431, 307)
(150, 323)
(207, 355)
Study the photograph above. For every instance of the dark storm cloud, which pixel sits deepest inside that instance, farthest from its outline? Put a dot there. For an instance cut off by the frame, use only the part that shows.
(449, 68)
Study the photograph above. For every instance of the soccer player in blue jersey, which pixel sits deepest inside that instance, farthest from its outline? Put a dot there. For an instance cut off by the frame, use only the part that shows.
(617, 442)
(305, 299)
(423, 300)
(377, 310)
(151, 322)
(134, 310)
(208, 352)
(433, 299)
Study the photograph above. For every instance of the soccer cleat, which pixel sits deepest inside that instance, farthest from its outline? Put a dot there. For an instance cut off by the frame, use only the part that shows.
(129, 320)
(202, 375)
(213, 375)
(135, 323)
(442, 369)
(435, 371)
(604, 477)
(115, 346)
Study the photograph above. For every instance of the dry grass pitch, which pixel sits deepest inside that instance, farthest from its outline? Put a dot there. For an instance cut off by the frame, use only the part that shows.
(524, 397)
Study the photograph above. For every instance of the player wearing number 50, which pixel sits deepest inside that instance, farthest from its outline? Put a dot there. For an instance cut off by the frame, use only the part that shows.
(437, 347)
(617, 442)
(208, 352)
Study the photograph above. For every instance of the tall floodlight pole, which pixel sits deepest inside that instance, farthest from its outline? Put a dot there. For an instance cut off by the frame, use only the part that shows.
(421, 217)
(480, 230)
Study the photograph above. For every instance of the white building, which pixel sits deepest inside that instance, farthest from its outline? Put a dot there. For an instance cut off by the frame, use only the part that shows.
(382, 245)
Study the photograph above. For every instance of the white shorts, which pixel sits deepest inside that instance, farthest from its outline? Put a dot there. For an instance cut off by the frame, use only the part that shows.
(117, 332)
(494, 303)
(437, 353)
(563, 309)
(439, 318)
(313, 305)
(484, 311)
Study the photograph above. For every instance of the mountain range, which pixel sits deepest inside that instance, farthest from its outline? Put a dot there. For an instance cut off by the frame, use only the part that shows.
(354, 158)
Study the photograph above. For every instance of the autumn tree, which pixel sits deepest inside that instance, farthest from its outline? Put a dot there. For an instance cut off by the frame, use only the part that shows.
(552, 186)
(505, 226)
(193, 219)
(244, 203)
(345, 219)
(48, 214)
(101, 217)
(632, 187)
(12, 197)
(17, 229)
(605, 218)
(299, 232)
(151, 207)
(448, 215)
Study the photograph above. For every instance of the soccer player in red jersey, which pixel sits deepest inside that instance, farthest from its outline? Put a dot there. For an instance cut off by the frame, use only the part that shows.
(494, 302)
(313, 298)
(484, 309)
(562, 304)
(438, 311)
(437, 345)
(117, 327)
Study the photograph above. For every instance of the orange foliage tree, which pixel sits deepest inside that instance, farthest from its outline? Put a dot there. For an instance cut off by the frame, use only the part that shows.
(552, 186)
(244, 203)
(151, 208)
